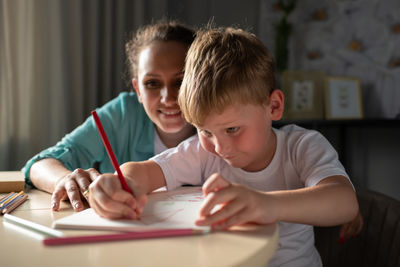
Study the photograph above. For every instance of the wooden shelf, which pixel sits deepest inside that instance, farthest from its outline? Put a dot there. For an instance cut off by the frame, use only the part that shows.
(342, 134)
(340, 123)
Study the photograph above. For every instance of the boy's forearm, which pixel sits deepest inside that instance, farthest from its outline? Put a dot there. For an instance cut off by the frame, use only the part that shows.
(147, 174)
(331, 202)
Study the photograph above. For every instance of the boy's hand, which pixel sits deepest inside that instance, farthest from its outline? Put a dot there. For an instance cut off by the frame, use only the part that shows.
(110, 200)
(235, 205)
(351, 229)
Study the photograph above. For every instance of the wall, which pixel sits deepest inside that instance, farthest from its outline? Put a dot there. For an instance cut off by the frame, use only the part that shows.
(223, 12)
(344, 38)
(372, 153)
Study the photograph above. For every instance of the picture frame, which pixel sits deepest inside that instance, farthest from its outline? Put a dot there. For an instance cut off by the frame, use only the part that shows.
(343, 98)
(304, 94)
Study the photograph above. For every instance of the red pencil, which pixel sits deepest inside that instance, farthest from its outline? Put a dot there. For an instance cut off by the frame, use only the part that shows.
(56, 241)
(110, 152)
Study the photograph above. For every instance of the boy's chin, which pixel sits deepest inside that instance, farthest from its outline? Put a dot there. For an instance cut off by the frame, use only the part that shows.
(245, 167)
(234, 164)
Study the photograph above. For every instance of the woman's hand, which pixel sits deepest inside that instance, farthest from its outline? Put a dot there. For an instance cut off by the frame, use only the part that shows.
(110, 200)
(72, 186)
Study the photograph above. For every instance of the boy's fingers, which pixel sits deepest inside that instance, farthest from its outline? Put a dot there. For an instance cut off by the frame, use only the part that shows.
(360, 223)
(240, 217)
(215, 198)
(222, 214)
(141, 202)
(112, 214)
(108, 207)
(214, 183)
(352, 228)
(345, 231)
(114, 191)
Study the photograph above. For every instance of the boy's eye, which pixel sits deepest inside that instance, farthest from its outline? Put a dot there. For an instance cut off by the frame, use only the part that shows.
(232, 129)
(206, 133)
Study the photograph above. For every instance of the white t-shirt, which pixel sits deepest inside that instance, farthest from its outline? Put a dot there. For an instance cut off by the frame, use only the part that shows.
(158, 144)
(302, 159)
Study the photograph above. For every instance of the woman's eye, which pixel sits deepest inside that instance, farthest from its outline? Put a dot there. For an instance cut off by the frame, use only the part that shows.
(232, 129)
(151, 84)
(178, 83)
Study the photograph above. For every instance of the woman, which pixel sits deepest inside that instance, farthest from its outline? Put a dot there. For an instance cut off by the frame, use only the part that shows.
(139, 124)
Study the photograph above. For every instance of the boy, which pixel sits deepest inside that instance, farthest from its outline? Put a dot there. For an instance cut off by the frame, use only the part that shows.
(256, 173)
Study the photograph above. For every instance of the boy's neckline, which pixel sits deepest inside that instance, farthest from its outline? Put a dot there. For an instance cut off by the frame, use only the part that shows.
(272, 158)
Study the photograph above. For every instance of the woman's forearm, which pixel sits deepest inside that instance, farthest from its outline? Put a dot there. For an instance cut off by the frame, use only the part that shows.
(45, 174)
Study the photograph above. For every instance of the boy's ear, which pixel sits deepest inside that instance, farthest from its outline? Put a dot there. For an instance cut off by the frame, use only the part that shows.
(276, 102)
(136, 87)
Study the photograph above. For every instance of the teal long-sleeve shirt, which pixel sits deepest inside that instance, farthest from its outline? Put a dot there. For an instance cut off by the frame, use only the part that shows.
(128, 128)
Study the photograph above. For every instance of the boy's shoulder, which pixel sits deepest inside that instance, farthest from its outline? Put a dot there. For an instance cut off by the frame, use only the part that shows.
(192, 141)
(293, 133)
(294, 129)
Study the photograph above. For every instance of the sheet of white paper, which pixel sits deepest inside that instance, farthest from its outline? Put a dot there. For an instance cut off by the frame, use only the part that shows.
(164, 210)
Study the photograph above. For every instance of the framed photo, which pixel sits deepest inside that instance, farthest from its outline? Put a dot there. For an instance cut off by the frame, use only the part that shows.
(304, 91)
(343, 98)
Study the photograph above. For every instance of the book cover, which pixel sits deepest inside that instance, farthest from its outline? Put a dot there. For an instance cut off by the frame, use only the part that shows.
(164, 210)
(11, 181)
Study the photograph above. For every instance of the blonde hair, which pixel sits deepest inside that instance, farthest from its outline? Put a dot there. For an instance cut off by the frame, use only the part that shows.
(225, 66)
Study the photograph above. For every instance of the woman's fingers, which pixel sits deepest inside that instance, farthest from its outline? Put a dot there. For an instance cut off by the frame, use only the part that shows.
(93, 174)
(75, 184)
(74, 194)
(72, 187)
(58, 195)
(84, 178)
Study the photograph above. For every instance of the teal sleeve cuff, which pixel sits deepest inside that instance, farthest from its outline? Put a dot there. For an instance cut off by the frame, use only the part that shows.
(59, 153)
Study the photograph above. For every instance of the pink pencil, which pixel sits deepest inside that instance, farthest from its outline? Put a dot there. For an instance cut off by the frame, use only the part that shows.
(110, 152)
(57, 241)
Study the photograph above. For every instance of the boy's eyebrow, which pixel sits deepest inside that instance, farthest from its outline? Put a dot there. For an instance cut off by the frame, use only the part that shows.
(227, 124)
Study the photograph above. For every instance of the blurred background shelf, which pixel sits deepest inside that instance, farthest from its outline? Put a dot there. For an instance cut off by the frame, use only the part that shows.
(368, 148)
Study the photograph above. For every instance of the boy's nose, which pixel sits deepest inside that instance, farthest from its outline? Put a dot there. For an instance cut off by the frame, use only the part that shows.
(168, 95)
(221, 148)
